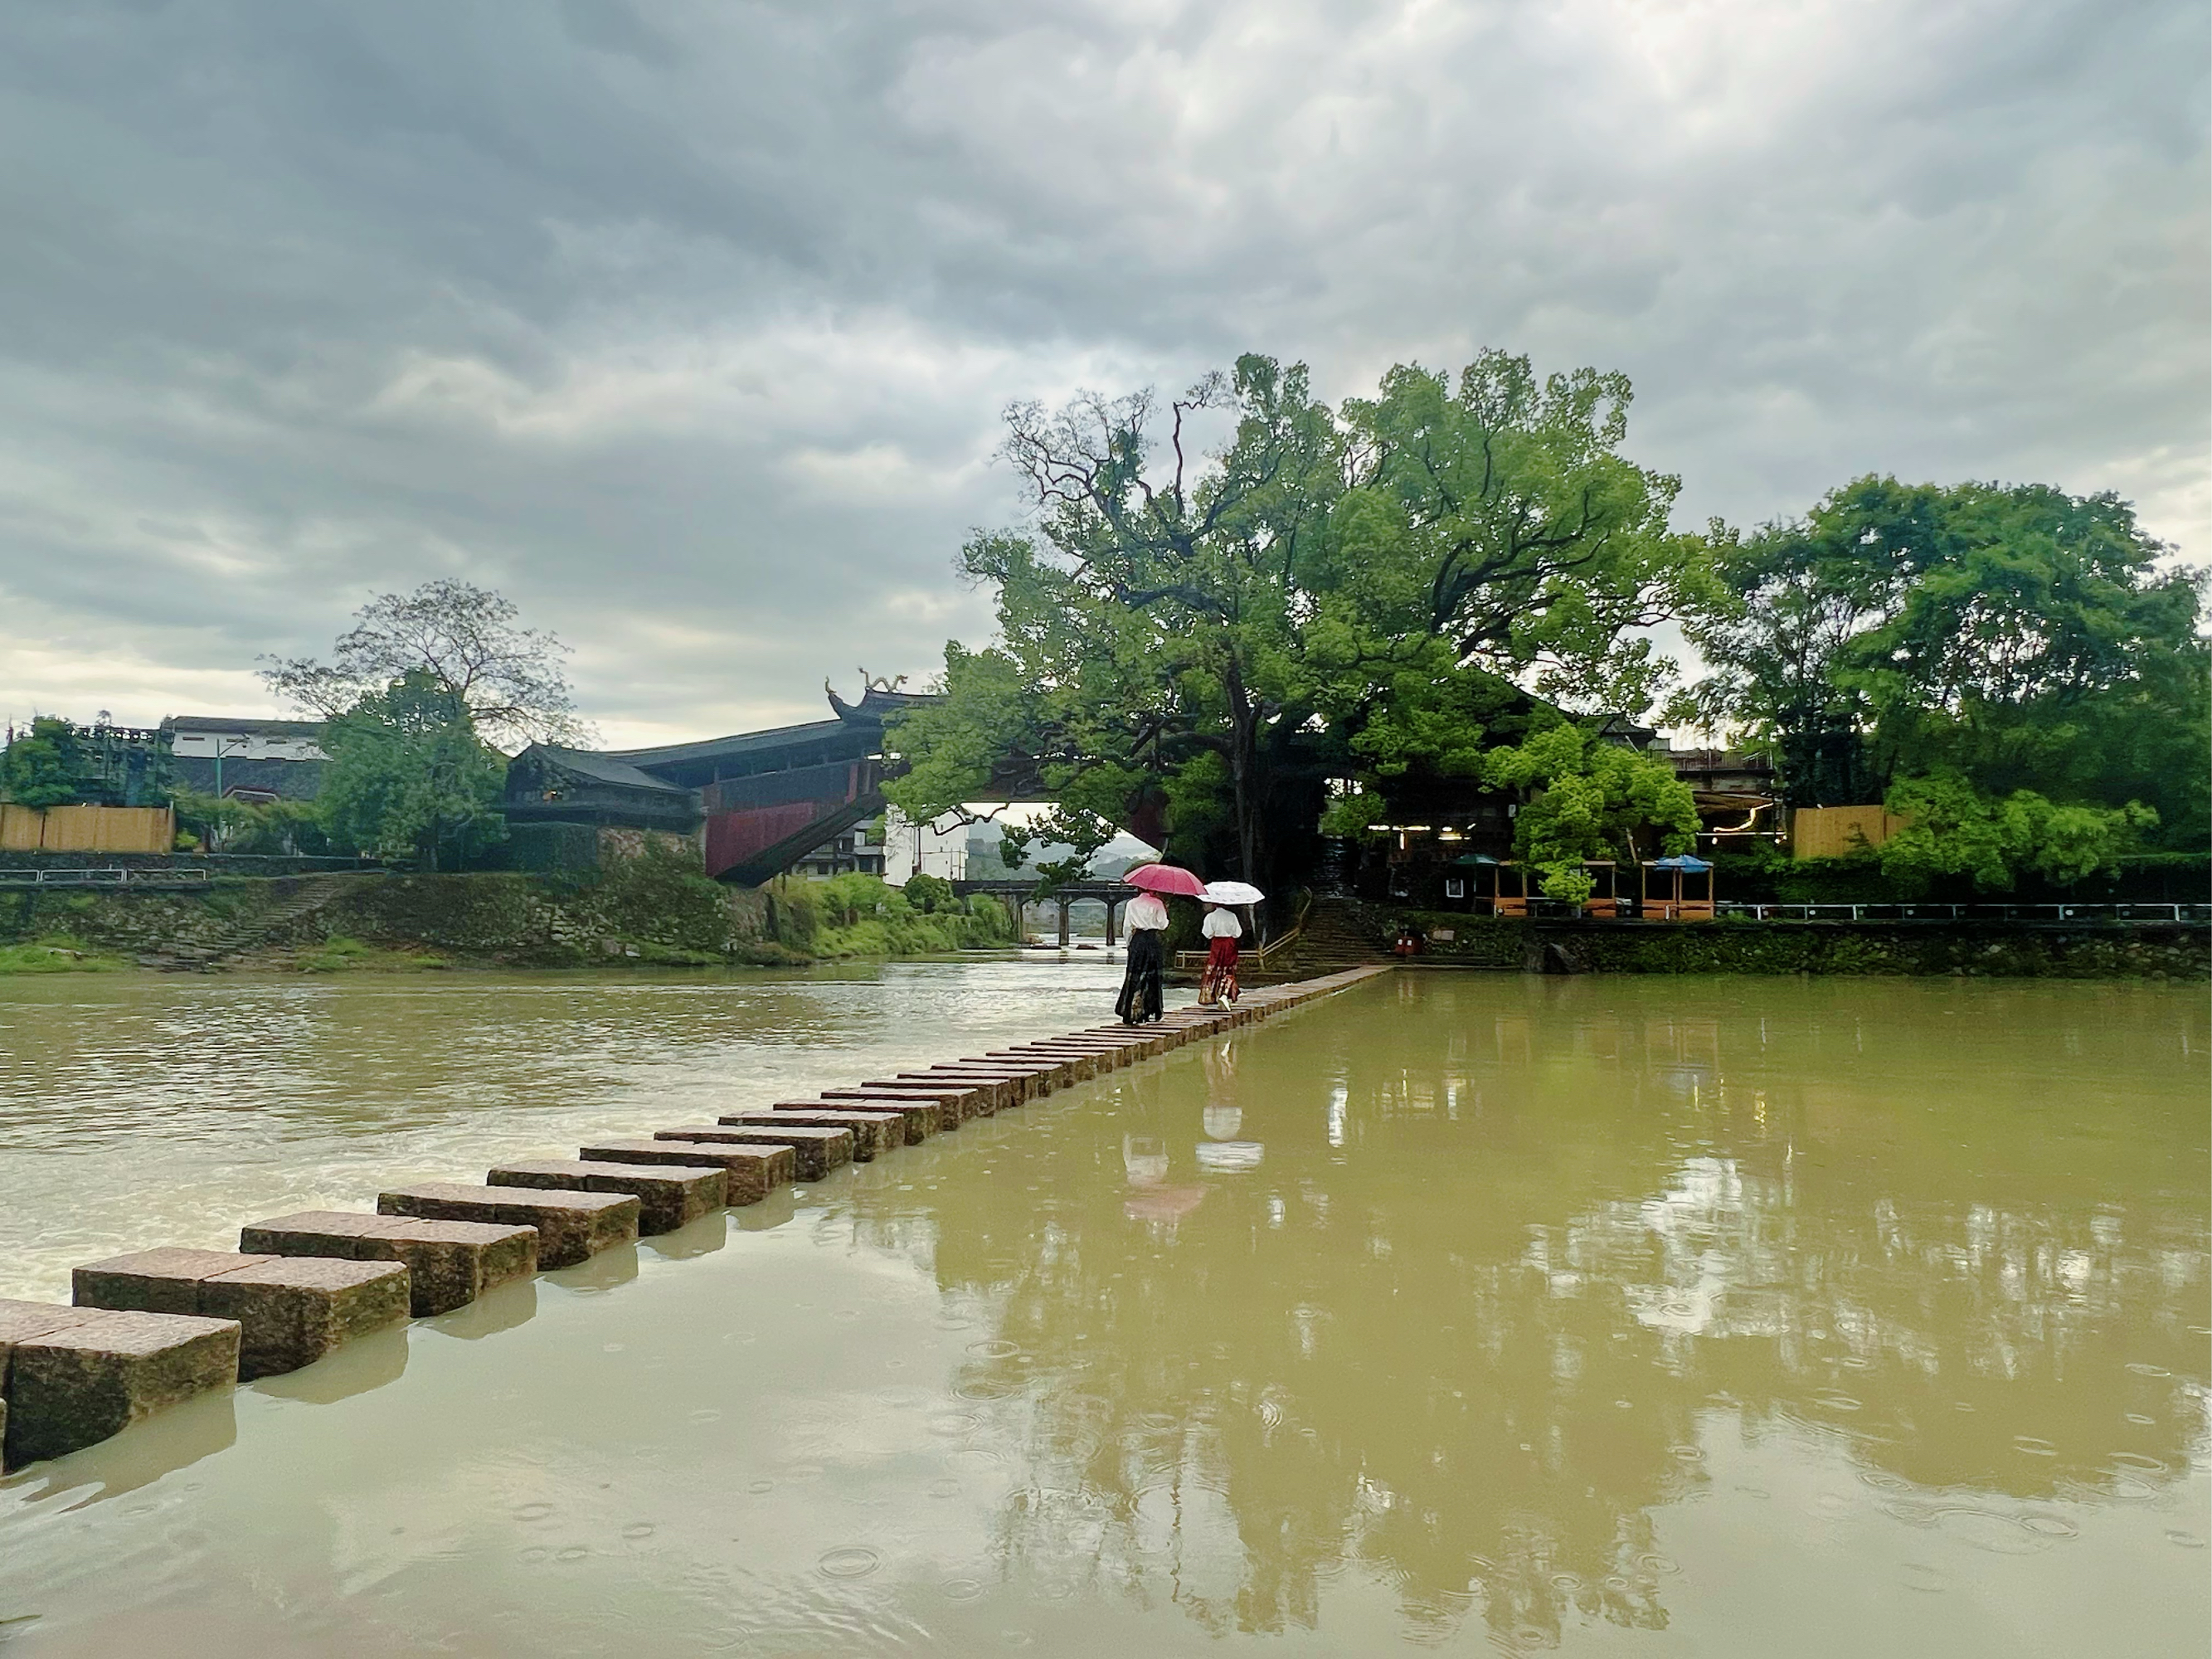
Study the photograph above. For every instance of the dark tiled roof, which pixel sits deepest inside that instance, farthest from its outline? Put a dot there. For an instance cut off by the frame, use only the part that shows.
(742, 742)
(258, 728)
(603, 769)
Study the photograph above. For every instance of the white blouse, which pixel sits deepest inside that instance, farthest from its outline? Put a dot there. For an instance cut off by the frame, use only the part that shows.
(1147, 912)
(1222, 924)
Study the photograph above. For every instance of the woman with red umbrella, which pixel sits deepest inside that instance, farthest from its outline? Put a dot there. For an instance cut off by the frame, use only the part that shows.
(1140, 998)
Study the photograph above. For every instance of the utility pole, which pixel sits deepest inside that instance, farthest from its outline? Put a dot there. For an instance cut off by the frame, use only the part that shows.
(241, 743)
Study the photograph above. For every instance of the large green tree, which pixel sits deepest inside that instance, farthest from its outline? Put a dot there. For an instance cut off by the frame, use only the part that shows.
(408, 776)
(1202, 639)
(2014, 636)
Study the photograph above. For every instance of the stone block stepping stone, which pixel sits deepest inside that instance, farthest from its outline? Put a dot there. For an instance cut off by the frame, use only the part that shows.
(72, 1377)
(1036, 1078)
(1106, 1051)
(814, 1151)
(925, 1113)
(873, 1132)
(1066, 1068)
(752, 1169)
(572, 1227)
(291, 1310)
(1137, 1044)
(1102, 1056)
(451, 1262)
(1010, 1087)
(668, 1197)
(155, 1281)
(979, 1096)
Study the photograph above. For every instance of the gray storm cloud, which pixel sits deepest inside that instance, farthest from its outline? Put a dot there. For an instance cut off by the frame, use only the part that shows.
(687, 325)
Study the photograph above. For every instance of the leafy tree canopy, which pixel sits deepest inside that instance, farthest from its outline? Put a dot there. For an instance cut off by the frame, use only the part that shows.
(1200, 640)
(1584, 797)
(1953, 829)
(40, 767)
(408, 776)
(2013, 634)
(465, 638)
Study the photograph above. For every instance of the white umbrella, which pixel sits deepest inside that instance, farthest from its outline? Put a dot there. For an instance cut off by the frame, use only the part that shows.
(1232, 892)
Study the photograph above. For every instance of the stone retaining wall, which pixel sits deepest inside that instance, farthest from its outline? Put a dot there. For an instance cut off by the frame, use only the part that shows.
(502, 918)
(1994, 949)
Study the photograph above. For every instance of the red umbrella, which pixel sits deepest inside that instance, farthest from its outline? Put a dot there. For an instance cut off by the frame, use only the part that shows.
(1165, 878)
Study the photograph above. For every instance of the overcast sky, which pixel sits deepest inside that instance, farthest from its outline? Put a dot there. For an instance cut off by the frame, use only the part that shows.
(687, 324)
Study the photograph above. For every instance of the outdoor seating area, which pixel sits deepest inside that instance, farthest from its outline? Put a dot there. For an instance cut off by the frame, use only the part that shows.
(1678, 888)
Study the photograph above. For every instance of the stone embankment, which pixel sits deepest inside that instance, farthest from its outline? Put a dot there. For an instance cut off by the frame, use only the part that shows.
(157, 1327)
(1339, 931)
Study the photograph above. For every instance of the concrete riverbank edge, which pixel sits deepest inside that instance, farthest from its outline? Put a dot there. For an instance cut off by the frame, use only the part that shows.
(155, 1327)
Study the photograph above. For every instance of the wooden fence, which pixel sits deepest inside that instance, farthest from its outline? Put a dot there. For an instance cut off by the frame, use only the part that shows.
(87, 829)
(1833, 832)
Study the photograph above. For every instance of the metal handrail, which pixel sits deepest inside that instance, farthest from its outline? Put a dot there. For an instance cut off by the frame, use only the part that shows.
(103, 875)
(1891, 912)
(1258, 955)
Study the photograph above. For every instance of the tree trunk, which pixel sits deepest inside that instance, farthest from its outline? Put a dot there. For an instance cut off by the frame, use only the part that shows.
(1244, 776)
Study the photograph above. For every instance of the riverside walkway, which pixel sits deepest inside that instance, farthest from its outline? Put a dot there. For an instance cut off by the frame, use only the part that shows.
(151, 1329)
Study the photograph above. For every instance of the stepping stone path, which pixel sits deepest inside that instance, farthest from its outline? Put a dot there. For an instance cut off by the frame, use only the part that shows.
(157, 1327)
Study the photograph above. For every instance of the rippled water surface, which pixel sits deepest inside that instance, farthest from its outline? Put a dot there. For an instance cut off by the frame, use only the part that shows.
(1468, 1312)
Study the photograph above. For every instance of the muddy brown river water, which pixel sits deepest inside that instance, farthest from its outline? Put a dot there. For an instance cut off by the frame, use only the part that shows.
(1473, 1313)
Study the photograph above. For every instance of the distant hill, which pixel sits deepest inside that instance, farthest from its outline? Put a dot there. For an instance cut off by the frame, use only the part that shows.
(984, 863)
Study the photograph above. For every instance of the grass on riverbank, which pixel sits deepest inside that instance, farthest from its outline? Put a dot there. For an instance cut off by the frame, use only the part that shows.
(341, 955)
(57, 954)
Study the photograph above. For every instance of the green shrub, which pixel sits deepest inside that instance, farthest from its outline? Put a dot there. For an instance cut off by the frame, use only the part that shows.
(930, 894)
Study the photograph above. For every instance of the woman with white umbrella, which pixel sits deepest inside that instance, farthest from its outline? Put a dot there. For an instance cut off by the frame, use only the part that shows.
(1218, 983)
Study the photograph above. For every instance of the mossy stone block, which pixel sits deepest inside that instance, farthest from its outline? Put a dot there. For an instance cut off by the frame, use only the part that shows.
(815, 1152)
(752, 1169)
(921, 1116)
(87, 1377)
(453, 1262)
(166, 1281)
(572, 1227)
(294, 1310)
(873, 1132)
(668, 1197)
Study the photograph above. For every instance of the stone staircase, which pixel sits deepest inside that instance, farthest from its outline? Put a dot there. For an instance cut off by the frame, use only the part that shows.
(298, 896)
(1338, 933)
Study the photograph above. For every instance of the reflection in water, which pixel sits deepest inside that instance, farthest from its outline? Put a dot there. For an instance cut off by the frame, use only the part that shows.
(1580, 1237)
(1144, 1160)
(1229, 1156)
(1557, 1311)
(366, 1361)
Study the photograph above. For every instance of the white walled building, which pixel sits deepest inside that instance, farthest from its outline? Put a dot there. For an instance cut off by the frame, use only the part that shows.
(936, 848)
(247, 759)
(203, 737)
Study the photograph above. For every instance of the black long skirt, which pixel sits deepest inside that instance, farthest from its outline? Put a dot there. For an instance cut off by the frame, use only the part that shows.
(1140, 1000)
